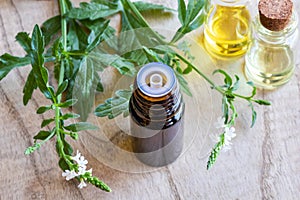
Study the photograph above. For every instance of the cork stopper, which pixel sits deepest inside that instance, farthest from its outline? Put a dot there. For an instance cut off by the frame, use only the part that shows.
(275, 14)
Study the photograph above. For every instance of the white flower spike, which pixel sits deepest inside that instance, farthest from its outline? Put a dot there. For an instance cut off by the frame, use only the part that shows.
(80, 160)
(69, 174)
(82, 184)
(220, 123)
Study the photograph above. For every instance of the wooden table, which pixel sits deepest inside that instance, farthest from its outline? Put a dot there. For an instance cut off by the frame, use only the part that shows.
(264, 162)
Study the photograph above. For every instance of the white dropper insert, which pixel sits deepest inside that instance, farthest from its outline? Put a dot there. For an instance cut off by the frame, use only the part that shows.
(156, 81)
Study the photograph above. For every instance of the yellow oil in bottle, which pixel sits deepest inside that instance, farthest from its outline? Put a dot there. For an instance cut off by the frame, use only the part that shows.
(227, 31)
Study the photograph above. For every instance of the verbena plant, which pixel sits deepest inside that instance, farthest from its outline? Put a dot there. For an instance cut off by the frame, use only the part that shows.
(70, 41)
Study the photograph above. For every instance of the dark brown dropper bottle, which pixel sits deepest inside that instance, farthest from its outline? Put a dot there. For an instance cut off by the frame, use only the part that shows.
(156, 109)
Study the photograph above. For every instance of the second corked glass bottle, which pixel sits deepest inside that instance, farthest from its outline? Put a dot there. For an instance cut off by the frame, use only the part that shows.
(271, 59)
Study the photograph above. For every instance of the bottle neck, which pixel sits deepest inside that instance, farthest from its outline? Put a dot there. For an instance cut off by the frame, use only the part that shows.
(230, 2)
(285, 36)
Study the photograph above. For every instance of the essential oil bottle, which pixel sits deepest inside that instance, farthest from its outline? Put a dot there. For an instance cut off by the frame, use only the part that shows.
(226, 30)
(156, 109)
(270, 61)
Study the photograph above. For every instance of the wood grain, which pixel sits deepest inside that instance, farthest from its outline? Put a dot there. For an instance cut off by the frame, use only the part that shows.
(264, 162)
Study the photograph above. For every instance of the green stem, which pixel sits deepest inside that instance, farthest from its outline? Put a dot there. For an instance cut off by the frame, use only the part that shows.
(213, 85)
(62, 4)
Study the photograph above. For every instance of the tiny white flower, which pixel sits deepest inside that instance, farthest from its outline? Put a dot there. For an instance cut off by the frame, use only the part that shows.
(69, 174)
(228, 135)
(220, 122)
(82, 184)
(80, 160)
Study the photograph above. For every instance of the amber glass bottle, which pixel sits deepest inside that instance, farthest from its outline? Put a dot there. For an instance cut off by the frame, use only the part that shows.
(156, 108)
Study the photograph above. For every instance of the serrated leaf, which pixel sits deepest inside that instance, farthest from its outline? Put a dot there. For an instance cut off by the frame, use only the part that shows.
(113, 4)
(46, 122)
(115, 106)
(81, 126)
(62, 87)
(29, 87)
(125, 67)
(24, 40)
(51, 27)
(9, 62)
(68, 103)
(42, 135)
(43, 109)
(84, 88)
(91, 11)
(145, 6)
(93, 39)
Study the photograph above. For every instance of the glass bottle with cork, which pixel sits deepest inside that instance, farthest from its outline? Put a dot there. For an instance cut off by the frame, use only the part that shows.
(270, 61)
(227, 28)
(156, 110)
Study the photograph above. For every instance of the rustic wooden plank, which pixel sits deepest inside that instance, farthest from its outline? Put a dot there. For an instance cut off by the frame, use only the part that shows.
(263, 163)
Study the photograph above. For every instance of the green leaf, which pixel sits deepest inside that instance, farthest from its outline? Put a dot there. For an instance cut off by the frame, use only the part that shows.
(225, 109)
(193, 9)
(92, 11)
(29, 87)
(100, 87)
(43, 109)
(32, 148)
(114, 106)
(144, 6)
(188, 17)
(188, 69)
(62, 164)
(24, 40)
(67, 148)
(9, 62)
(68, 103)
(183, 84)
(42, 135)
(125, 67)
(253, 114)
(113, 4)
(94, 40)
(46, 122)
(81, 126)
(69, 116)
(227, 80)
(84, 88)
(181, 11)
(253, 90)
(37, 61)
(62, 87)
(236, 85)
(51, 27)
(262, 102)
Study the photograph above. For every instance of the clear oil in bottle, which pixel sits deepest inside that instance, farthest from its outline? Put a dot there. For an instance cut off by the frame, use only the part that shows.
(156, 110)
